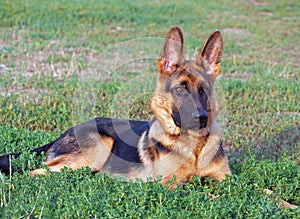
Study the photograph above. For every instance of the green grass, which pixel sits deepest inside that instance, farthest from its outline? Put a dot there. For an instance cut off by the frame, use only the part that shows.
(68, 61)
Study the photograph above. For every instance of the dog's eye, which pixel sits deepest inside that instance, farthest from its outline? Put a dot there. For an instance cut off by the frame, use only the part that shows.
(204, 89)
(179, 89)
(201, 90)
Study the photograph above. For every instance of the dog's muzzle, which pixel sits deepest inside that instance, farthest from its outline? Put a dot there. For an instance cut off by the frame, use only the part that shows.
(194, 121)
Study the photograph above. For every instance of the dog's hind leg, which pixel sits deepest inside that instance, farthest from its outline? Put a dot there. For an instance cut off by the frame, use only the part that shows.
(72, 161)
(94, 156)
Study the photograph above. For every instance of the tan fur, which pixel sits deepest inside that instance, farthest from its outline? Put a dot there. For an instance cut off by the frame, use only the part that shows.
(190, 156)
(161, 106)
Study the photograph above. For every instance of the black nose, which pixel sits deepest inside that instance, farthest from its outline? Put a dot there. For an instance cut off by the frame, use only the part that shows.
(200, 117)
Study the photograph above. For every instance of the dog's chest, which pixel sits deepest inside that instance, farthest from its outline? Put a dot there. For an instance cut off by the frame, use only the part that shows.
(185, 152)
(189, 146)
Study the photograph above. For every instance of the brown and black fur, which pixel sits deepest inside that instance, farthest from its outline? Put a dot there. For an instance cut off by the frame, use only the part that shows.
(181, 140)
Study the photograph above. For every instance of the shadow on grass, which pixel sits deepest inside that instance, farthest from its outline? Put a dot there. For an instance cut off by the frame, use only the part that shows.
(279, 144)
(285, 143)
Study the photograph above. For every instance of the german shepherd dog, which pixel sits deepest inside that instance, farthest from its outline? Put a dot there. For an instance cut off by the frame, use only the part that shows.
(181, 140)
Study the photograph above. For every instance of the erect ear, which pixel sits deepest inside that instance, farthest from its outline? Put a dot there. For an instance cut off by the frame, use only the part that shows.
(211, 54)
(171, 55)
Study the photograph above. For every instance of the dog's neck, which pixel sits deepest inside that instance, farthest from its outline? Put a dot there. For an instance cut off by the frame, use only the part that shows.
(185, 142)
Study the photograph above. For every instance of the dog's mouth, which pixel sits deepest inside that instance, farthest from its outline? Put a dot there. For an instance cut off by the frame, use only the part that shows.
(189, 124)
(176, 122)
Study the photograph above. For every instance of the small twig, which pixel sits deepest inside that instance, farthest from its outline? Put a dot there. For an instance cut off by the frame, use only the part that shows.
(283, 203)
(212, 196)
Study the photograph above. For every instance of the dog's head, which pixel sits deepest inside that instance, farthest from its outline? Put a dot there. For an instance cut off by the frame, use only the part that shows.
(186, 86)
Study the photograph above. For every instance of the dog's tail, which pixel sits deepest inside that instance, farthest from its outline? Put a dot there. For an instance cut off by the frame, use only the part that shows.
(5, 160)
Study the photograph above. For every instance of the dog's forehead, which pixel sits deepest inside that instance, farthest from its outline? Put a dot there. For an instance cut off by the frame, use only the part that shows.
(192, 74)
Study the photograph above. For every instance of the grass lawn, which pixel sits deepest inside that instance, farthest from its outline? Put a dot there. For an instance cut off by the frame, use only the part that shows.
(64, 62)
